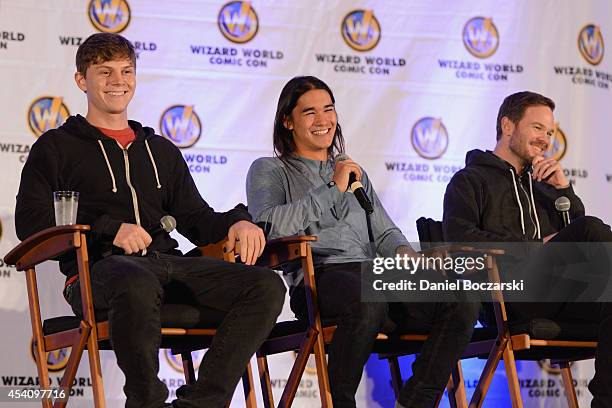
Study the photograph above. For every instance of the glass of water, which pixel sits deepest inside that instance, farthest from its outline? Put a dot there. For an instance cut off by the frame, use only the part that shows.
(66, 204)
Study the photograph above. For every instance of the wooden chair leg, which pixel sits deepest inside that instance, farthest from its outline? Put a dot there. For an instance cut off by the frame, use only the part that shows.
(512, 376)
(293, 382)
(438, 400)
(248, 385)
(76, 352)
(568, 383)
(37, 333)
(322, 374)
(264, 380)
(487, 373)
(396, 375)
(95, 369)
(188, 369)
(43, 371)
(457, 397)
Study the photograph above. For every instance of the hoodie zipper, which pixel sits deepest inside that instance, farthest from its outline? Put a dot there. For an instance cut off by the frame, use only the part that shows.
(535, 229)
(126, 160)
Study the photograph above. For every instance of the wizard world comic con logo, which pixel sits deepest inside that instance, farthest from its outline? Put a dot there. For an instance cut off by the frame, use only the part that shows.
(238, 21)
(109, 16)
(47, 112)
(480, 37)
(176, 363)
(181, 125)
(591, 44)
(557, 145)
(429, 138)
(361, 30)
(57, 360)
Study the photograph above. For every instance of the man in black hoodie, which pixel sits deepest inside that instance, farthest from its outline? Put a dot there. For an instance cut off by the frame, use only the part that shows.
(128, 178)
(508, 195)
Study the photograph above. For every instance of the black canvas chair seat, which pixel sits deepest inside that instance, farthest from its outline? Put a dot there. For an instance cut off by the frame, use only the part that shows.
(547, 329)
(172, 315)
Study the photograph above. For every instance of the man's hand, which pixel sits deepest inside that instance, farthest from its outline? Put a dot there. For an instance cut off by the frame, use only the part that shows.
(252, 241)
(342, 172)
(549, 171)
(132, 238)
(406, 250)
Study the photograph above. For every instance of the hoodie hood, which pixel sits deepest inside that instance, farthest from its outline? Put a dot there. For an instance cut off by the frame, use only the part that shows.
(78, 125)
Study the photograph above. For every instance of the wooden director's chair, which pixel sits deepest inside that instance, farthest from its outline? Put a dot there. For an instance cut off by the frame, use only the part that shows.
(185, 328)
(535, 339)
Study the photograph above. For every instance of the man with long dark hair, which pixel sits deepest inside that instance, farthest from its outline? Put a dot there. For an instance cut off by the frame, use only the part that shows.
(304, 191)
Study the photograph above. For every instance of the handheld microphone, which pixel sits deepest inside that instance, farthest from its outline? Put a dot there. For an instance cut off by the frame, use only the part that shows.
(357, 188)
(166, 223)
(562, 204)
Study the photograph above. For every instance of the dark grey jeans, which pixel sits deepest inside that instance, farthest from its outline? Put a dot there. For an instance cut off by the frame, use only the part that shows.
(339, 290)
(131, 288)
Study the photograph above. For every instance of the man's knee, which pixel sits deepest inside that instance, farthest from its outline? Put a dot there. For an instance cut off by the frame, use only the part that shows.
(138, 288)
(466, 313)
(594, 229)
(372, 316)
(269, 287)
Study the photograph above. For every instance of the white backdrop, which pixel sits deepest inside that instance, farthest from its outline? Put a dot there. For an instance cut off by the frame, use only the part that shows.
(417, 84)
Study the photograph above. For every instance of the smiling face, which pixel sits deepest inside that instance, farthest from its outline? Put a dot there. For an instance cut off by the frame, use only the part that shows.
(530, 137)
(110, 86)
(313, 124)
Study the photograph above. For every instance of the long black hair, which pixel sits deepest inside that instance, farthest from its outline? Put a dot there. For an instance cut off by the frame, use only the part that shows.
(284, 145)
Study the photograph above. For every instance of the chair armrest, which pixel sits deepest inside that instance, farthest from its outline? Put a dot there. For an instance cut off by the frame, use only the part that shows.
(283, 250)
(452, 248)
(45, 245)
(277, 251)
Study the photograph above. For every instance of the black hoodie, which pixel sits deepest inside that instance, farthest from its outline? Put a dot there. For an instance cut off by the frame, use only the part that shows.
(137, 185)
(488, 202)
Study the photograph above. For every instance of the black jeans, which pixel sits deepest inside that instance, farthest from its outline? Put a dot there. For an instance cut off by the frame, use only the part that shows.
(131, 288)
(583, 229)
(339, 292)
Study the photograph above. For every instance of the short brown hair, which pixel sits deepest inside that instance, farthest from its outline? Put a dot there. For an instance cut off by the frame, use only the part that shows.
(102, 47)
(514, 107)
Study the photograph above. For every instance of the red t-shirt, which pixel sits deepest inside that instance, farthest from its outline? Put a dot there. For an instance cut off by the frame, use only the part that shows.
(123, 136)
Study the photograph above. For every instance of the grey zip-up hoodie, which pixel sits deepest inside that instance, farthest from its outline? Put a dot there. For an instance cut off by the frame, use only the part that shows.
(291, 197)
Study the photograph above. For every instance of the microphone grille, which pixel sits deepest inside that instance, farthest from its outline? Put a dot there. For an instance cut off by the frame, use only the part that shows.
(562, 204)
(168, 223)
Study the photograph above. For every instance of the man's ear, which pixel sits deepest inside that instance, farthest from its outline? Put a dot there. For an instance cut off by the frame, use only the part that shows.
(288, 123)
(80, 81)
(507, 126)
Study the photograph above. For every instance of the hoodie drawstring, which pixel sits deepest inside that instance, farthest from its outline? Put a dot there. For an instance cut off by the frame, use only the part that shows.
(535, 213)
(153, 163)
(518, 199)
(110, 169)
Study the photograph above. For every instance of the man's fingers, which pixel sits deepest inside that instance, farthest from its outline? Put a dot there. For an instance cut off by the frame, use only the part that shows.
(548, 172)
(231, 239)
(262, 242)
(252, 248)
(146, 238)
(140, 243)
